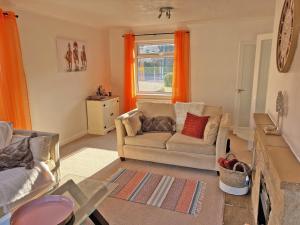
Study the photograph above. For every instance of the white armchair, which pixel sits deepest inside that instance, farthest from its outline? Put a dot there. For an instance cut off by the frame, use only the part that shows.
(19, 185)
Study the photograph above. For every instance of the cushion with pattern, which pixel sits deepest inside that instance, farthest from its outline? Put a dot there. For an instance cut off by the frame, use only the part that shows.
(157, 124)
(17, 154)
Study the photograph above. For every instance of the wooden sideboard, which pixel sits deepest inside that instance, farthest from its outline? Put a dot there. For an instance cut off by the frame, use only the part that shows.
(275, 162)
(101, 115)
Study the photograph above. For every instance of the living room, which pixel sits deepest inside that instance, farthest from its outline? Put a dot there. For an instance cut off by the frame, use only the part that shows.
(203, 62)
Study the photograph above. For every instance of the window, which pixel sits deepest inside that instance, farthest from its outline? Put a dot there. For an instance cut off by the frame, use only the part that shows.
(154, 64)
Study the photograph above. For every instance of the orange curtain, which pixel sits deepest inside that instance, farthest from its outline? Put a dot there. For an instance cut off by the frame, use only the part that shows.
(181, 69)
(14, 104)
(129, 78)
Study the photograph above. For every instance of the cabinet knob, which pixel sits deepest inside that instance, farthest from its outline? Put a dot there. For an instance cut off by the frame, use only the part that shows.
(112, 114)
(104, 127)
(117, 100)
(104, 105)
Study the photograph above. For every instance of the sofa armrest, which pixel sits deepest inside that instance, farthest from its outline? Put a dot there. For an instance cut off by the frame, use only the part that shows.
(54, 148)
(121, 132)
(222, 137)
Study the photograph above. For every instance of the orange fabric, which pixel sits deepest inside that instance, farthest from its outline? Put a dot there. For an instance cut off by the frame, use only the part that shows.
(181, 69)
(186, 198)
(194, 126)
(129, 78)
(14, 104)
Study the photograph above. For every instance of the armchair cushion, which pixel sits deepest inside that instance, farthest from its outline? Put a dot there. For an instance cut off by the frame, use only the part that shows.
(6, 132)
(39, 146)
(16, 154)
(18, 182)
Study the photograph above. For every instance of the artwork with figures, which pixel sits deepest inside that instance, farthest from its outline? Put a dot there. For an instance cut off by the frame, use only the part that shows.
(71, 55)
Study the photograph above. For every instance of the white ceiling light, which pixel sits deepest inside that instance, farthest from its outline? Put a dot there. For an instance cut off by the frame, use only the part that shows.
(166, 10)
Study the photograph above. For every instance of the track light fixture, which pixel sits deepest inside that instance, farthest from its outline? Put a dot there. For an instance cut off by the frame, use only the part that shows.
(166, 10)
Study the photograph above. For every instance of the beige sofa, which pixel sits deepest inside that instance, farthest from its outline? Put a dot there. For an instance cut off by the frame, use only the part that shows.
(19, 185)
(177, 149)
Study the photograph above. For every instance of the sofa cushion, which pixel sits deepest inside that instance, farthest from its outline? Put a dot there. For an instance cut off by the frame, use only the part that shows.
(211, 130)
(133, 124)
(18, 182)
(6, 132)
(154, 140)
(150, 109)
(194, 126)
(158, 124)
(182, 108)
(182, 143)
(212, 110)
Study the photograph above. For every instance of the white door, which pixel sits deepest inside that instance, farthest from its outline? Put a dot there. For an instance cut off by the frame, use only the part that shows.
(261, 74)
(244, 89)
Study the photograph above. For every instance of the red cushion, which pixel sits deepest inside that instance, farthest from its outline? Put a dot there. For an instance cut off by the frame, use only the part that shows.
(194, 125)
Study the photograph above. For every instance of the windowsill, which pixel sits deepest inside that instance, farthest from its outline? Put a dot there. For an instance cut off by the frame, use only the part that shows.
(154, 96)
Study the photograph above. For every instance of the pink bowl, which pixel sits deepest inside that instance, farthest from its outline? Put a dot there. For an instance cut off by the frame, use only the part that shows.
(47, 210)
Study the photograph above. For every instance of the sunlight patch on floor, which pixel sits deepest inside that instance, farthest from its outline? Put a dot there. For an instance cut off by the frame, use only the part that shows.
(87, 162)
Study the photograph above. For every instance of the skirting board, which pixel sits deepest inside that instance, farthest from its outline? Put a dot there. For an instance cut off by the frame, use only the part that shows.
(73, 138)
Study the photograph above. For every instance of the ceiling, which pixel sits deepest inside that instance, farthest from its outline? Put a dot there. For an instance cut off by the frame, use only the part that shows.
(130, 13)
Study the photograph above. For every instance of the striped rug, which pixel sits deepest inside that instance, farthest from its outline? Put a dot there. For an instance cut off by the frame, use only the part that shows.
(166, 192)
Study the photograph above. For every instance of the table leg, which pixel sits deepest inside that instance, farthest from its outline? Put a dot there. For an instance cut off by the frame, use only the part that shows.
(97, 218)
(71, 221)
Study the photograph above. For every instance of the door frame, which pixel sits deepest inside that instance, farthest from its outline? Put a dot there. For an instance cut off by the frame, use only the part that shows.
(260, 38)
(238, 85)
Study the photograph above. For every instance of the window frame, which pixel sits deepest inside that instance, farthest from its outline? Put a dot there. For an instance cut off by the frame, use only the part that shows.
(170, 55)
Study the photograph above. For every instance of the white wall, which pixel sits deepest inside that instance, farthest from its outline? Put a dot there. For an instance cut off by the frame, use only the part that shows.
(214, 57)
(57, 100)
(289, 83)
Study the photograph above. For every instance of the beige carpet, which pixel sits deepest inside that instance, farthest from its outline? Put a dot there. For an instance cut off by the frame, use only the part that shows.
(93, 156)
(120, 212)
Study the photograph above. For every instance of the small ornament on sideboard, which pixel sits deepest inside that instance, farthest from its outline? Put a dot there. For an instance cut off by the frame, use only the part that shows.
(101, 91)
(275, 130)
(100, 94)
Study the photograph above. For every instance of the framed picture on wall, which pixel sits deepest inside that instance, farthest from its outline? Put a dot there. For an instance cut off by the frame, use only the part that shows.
(71, 55)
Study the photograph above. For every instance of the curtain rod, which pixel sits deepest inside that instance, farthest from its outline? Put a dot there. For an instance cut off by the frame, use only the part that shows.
(6, 14)
(152, 34)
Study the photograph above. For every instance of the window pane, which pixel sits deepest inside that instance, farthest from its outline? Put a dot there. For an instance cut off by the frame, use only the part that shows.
(155, 74)
(155, 48)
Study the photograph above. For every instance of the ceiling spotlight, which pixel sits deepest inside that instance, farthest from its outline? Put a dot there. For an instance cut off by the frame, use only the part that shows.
(166, 10)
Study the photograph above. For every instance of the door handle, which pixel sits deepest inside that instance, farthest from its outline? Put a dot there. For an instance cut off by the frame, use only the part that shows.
(240, 90)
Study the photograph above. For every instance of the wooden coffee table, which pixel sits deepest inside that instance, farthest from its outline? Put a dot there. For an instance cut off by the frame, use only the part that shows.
(87, 194)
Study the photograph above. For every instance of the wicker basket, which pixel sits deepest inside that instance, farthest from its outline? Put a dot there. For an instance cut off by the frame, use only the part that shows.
(233, 181)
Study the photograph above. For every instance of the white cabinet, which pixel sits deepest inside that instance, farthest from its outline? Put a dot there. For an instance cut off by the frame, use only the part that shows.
(101, 115)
